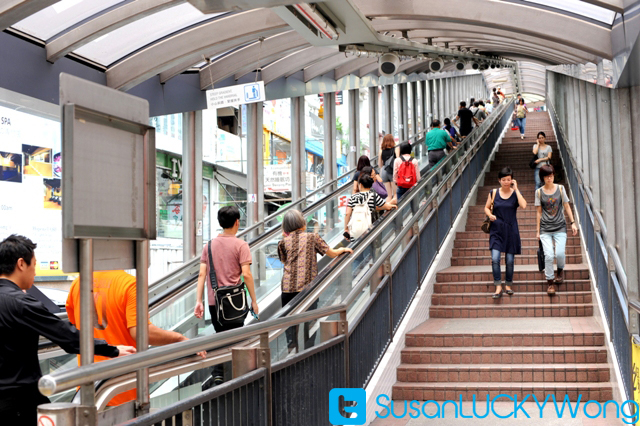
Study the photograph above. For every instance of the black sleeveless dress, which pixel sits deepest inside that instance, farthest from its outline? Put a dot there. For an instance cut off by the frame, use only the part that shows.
(504, 233)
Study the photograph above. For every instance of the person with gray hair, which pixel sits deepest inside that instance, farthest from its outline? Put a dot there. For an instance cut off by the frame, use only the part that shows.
(297, 251)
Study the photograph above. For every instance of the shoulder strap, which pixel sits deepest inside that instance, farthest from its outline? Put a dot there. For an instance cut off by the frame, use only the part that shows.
(495, 191)
(213, 279)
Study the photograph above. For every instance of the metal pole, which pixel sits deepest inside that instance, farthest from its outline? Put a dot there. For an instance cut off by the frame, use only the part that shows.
(188, 182)
(255, 178)
(142, 322)
(87, 309)
(197, 187)
(388, 108)
(373, 121)
(354, 142)
(298, 157)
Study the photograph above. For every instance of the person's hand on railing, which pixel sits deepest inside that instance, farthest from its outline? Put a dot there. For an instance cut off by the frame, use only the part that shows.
(254, 306)
(198, 311)
(126, 350)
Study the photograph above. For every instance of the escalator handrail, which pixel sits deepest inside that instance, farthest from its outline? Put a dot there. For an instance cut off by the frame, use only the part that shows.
(175, 280)
(60, 381)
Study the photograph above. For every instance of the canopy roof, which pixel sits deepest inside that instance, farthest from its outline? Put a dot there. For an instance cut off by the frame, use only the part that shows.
(133, 41)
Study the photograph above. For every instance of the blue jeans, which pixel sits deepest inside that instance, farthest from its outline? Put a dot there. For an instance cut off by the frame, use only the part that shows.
(560, 239)
(495, 265)
(401, 191)
(536, 177)
(521, 123)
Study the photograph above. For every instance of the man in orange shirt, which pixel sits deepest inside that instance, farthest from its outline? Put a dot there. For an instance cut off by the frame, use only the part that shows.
(114, 293)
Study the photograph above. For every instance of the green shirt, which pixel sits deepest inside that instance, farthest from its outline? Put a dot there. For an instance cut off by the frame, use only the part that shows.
(437, 139)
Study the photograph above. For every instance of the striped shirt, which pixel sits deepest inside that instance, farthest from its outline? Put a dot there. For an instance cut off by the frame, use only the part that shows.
(361, 197)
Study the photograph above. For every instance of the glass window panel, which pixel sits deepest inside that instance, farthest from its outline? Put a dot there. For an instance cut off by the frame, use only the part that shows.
(168, 205)
(206, 210)
(409, 119)
(580, 8)
(60, 16)
(168, 132)
(363, 107)
(113, 46)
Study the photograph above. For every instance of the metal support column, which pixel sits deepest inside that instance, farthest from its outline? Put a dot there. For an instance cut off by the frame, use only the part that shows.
(255, 163)
(635, 137)
(441, 105)
(605, 160)
(402, 124)
(354, 142)
(577, 125)
(298, 155)
(424, 103)
(142, 320)
(374, 143)
(330, 161)
(626, 190)
(87, 309)
(387, 98)
(594, 149)
(586, 169)
(414, 109)
(600, 73)
(191, 184)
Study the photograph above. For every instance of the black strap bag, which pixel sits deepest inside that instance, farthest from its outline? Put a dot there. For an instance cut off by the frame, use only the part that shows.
(388, 165)
(540, 256)
(231, 301)
(532, 163)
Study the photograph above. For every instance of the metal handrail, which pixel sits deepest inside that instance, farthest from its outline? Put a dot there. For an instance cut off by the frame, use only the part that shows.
(64, 380)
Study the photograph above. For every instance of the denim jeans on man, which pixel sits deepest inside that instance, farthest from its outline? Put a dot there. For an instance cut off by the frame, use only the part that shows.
(495, 265)
(521, 123)
(401, 191)
(560, 239)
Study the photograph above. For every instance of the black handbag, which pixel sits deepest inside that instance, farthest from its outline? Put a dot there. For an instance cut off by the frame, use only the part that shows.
(532, 163)
(486, 225)
(231, 301)
(540, 256)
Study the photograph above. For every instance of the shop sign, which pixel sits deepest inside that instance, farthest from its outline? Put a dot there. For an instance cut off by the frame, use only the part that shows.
(277, 178)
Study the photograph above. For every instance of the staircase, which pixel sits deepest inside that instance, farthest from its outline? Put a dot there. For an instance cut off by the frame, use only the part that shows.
(527, 343)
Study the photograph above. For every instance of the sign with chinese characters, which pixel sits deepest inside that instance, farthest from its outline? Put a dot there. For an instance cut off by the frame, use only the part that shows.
(277, 178)
(236, 95)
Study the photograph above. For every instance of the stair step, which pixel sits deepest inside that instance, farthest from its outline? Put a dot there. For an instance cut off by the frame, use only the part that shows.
(478, 234)
(526, 242)
(479, 340)
(511, 311)
(521, 259)
(526, 251)
(521, 287)
(539, 298)
(505, 355)
(451, 373)
(528, 225)
(454, 391)
(523, 273)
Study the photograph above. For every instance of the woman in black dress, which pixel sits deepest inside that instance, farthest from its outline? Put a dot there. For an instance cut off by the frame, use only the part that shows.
(504, 235)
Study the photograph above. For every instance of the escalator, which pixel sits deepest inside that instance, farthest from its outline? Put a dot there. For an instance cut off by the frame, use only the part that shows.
(349, 280)
(172, 298)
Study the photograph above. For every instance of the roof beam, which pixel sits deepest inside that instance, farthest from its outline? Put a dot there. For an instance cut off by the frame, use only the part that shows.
(352, 67)
(295, 62)
(190, 45)
(248, 58)
(103, 24)
(325, 66)
(12, 11)
(515, 18)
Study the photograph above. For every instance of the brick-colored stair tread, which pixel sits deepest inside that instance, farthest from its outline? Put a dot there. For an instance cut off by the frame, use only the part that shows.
(496, 373)
(597, 391)
(486, 340)
(505, 355)
(517, 299)
(523, 268)
(510, 311)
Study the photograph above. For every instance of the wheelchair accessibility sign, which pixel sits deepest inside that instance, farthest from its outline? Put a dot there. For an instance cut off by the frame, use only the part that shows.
(236, 95)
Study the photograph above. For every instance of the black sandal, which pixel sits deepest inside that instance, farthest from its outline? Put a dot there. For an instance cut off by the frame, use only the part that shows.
(510, 292)
(497, 295)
